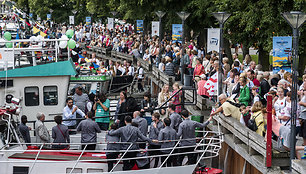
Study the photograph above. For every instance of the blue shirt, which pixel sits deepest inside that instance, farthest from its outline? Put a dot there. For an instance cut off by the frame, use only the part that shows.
(67, 114)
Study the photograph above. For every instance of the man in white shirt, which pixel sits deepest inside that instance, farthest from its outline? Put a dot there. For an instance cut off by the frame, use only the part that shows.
(69, 112)
(139, 73)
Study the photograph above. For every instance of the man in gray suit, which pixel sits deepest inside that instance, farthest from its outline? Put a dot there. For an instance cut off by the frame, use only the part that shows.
(187, 131)
(41, 131)
(142, 126)
(129, 134)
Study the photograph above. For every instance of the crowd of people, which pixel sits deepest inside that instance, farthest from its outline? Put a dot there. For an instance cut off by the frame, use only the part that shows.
(244, 97)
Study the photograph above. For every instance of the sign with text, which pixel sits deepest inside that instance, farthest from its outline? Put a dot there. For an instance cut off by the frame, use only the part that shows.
(282, 47)
(139, 26)
(110, 23)
(213, 39)
(155, 28)
(71, 20)
(177, 32)
(88, 20)
(48, 16)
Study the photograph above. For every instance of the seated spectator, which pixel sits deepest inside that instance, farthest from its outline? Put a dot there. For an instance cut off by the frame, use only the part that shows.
(161, 65)
(60, 134)
(283, 133)
(199, 69)
(201, 90)
(169, 68)
(251, 76)
(259, 119)
(163, 96)
(244, 97)
(176, 100)
(228, 107)
(245, 115)
(146, 55)
(226, 66)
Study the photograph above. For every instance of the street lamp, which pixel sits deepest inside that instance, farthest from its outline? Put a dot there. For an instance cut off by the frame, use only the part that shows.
(160, 15)
(221, 17)
(114, 13)
(183, 15)
(295, 19)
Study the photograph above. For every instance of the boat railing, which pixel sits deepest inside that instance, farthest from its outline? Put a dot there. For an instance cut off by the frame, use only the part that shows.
(210, 144)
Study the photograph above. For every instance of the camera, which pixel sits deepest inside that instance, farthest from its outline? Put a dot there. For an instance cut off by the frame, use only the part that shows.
(97, 99)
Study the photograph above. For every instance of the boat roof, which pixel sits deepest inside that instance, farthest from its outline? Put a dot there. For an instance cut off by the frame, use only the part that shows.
(62, 68)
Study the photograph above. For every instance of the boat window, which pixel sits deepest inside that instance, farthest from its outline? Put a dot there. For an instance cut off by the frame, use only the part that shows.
(75, 170)
(94, 170)
(50, 95)
(31, 95)
(20, 170)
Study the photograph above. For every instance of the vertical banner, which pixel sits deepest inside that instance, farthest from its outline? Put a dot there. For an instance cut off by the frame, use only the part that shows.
(31, 15)
(155, 28)
(48, 16)
(38, 18)
(213, 39)
(177, 32)
(139, 26)
(88, 20)
(282, 47)
(110, 23)
(71, 20)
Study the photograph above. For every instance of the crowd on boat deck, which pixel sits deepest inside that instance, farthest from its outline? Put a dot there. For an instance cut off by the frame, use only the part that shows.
(244, 96)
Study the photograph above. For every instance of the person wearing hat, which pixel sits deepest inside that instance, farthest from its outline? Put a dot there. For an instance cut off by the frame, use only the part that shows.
(201, 90)
(187, 133)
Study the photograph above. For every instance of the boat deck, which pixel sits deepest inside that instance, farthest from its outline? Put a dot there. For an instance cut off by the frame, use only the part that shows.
(61, 155)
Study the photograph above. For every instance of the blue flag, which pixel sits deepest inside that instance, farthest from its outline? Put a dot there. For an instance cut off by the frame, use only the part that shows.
(17, 36)
(80, 56)
(95, 65)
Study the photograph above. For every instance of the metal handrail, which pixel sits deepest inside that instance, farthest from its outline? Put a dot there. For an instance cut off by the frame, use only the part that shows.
(78, 159)
(36, 159)
(121, 157)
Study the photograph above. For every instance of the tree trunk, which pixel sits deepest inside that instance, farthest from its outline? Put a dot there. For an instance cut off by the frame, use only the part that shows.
(245, 50)
(263, 58)
(227, 49)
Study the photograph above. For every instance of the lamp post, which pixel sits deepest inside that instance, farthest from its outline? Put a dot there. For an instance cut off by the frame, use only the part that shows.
(221, 17)
(183, 15)
(160, 15)
(295, 19)
(51, 17)
(114, 13)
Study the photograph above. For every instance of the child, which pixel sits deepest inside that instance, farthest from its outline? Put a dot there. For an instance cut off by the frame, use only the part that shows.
(245, 115)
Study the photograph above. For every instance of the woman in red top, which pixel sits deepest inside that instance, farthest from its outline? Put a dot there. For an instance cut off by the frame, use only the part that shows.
(199, 68)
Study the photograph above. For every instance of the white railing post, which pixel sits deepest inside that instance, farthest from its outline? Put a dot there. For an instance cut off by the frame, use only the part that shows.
(36, 158)
(121, 158)
(170, 153)
(78, 159)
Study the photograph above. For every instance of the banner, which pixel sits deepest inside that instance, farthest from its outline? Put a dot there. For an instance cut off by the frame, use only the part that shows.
(7, 58)
(177, 32)
(110, 23)
(43, 34)
(35, 30)
(48, 16)
(213, 39)
(88, 20)
(71, 20)
(139, 26)
(38, 18)
(155, 28)
(31, 15)
(282, 47)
